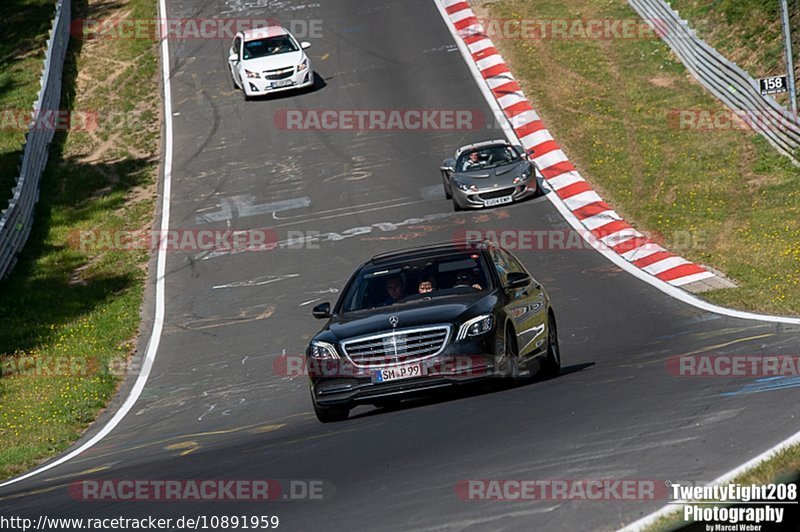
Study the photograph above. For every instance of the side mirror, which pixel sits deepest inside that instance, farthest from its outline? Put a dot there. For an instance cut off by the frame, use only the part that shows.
(305, 45)
(322, 311)
(517, 280)
(233, 58)
(449, 165)
(521, 151)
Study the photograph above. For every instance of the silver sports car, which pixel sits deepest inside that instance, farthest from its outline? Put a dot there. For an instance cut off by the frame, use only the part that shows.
(488, 173)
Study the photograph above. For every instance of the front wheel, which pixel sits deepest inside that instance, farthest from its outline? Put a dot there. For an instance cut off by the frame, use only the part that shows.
(331, 414)
(552, 364)
(512, 356)
(456, 206)
(448, 194)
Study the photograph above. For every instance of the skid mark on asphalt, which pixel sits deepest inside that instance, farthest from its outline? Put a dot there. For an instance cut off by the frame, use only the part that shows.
(209, 436)
(79, 473)
(465, 523)
(767, 384)
(194, 323)
(258, 281)
(706, 349)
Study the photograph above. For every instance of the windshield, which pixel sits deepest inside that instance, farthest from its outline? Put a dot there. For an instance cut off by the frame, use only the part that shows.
(485, 158)
(405, 282)
(280, 44)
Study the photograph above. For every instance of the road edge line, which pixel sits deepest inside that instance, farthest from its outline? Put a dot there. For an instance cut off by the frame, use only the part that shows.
(158, 323)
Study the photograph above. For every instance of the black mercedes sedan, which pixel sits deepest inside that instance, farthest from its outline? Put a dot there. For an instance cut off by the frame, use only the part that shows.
(411, 321)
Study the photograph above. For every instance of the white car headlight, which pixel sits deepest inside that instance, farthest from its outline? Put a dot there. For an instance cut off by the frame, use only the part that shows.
(302, 66)
(475, 326)
(323, 351)
(252, 75)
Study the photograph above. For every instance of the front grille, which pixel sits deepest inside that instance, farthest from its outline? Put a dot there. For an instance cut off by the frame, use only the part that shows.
(281, 73)
(503, 192)
(397, 347)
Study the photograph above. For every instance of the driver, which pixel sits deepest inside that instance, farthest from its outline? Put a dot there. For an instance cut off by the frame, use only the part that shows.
(395, 290)
(472, 162)
(467, 278)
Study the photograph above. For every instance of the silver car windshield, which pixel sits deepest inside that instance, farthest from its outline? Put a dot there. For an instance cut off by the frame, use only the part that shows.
(485, 158)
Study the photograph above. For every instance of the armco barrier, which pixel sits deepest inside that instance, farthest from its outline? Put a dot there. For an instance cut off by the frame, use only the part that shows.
(17, 218)
(737, 89)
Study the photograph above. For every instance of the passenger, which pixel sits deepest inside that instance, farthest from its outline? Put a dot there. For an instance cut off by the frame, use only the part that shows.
(426, 286)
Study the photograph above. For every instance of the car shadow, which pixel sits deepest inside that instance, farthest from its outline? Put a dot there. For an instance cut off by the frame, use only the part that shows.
(319, 84)
(466, 391)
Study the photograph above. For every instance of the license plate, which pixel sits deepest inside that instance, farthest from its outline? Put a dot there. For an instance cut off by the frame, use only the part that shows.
(497, 201)
(398, 372)
(282, 83)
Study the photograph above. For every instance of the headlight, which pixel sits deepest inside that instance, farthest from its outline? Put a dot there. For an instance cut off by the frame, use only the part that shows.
(464, 186)
(323, 351)
(523, 176)
(475, 327)
(254, 75)
(302, 66)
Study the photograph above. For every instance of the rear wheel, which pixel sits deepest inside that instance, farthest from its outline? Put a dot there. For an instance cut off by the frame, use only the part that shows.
(552, 364)
(331, 414)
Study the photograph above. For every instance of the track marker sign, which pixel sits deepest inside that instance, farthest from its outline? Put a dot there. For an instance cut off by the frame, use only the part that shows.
(773, 85)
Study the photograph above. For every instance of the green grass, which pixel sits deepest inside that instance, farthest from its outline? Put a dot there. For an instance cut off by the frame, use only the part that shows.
(609, 102)
(25, 26)
(748, 32)
(77, 310)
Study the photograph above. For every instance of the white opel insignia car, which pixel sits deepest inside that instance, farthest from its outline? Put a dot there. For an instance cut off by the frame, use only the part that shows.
(267, 60)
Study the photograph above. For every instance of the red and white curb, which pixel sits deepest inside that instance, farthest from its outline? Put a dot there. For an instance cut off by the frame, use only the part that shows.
(577, 195)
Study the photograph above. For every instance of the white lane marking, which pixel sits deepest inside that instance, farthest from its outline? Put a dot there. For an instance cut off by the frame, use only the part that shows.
(258, 281)
(206, 412)
(242, 207)
(304, 303)
(161, 268)
(349, 208)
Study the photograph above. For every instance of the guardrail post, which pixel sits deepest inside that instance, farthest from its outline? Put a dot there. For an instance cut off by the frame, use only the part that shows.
(787, 42)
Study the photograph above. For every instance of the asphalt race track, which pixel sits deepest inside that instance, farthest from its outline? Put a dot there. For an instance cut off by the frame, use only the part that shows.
(215, 406)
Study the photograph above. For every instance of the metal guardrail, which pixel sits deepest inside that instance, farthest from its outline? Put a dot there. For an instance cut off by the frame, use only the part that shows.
(16, 220)
(724, 79)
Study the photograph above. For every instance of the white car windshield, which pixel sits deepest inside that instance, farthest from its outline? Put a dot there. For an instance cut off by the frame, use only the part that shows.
(280, 44)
